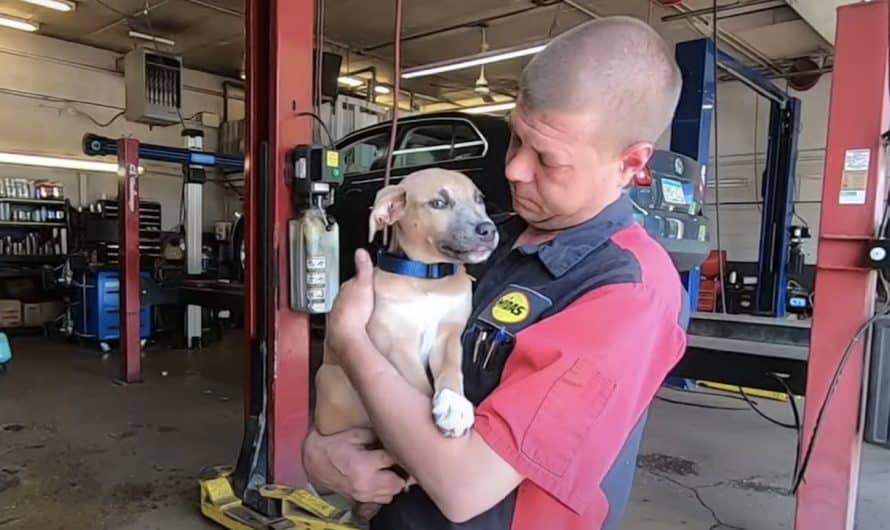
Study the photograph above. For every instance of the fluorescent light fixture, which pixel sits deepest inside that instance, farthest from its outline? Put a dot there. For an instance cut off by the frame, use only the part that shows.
(496, 107)
(58, 5)
(58, 162)
(350, 81)
(18, 23)
(473, 60)
(355, 82)
(151, 38)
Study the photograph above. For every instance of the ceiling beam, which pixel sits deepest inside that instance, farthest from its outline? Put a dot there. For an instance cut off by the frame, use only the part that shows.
(821, 15)
(217, 8)
(460, 25)
(141, 12)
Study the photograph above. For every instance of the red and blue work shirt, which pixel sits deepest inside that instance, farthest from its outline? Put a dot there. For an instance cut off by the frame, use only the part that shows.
(567, 344)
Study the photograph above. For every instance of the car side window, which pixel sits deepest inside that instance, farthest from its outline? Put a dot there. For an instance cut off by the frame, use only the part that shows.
(367, 154)
(436, 143)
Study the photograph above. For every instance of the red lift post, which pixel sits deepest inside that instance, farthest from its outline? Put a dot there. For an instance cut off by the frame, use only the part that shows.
(128, 215)
(852, 208)
(280, 39)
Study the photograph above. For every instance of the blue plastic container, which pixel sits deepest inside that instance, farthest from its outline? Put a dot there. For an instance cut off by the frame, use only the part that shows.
(5, 350)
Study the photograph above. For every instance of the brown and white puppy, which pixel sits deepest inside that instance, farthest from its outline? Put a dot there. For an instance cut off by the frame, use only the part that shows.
(436, 216)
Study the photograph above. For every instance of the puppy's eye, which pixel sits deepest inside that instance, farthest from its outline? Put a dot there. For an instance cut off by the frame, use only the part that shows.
(479, 198)
(438, 204)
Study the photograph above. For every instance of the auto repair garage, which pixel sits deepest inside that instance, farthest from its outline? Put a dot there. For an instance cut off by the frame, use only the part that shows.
(183, 185)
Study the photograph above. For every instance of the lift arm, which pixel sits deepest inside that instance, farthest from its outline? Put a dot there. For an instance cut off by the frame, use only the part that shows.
(95, 145)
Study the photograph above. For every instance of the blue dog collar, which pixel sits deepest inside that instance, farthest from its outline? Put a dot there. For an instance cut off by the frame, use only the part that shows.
(407, 267)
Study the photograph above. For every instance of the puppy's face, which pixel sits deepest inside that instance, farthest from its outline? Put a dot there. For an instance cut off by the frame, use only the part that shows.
(438, 216)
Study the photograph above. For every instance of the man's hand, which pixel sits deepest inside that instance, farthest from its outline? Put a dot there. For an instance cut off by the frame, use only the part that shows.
(348, 319)
(341, 463)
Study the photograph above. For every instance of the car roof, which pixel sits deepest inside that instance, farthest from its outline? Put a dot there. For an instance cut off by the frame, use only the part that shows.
(484, 122)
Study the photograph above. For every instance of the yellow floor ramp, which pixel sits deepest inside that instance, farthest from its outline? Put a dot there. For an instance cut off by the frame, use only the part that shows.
(300, 509)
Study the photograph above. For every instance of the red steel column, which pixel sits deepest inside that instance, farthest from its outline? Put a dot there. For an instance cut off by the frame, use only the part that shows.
(280, 80)
(128, 208)
(852, 206)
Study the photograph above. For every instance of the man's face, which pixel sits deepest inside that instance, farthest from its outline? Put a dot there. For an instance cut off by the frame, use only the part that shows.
(560, 172)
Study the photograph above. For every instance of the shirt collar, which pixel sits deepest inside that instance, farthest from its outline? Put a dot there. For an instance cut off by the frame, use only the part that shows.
(571, 246)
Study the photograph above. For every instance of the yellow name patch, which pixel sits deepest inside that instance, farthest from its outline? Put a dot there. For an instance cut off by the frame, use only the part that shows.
(512, 308)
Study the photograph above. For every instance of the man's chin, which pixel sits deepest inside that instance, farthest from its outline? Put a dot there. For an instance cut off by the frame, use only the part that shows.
(527, 210)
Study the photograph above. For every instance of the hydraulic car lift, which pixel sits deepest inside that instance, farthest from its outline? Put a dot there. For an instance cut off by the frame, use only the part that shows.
(193, 161)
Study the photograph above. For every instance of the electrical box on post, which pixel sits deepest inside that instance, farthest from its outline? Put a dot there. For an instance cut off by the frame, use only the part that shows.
(154, 87)
(314, 237)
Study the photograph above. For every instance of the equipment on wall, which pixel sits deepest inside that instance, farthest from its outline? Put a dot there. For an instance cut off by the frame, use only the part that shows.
(153, 82)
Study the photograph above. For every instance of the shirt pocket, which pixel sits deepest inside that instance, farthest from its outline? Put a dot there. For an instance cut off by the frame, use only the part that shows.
(560, 426)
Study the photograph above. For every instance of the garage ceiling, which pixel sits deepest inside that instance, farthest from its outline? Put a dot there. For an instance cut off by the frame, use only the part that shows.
(209, 33)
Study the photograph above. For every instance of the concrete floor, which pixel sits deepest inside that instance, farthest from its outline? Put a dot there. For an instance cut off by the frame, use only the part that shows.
(78, 452)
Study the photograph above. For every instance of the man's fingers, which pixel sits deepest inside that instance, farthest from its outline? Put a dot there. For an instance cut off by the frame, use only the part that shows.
(388, 483)
(363, 266)
(381, 459)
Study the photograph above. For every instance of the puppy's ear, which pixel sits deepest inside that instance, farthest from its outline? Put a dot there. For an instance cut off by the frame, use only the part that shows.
(389, 205)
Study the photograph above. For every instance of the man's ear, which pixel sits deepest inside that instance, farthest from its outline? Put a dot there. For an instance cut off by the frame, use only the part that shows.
(634, 160)
(389, 205)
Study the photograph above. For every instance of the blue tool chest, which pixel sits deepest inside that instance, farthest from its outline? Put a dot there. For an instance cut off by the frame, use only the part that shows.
(99, 298)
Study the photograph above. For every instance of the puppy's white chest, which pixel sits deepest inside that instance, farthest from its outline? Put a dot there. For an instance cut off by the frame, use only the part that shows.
(425, 313)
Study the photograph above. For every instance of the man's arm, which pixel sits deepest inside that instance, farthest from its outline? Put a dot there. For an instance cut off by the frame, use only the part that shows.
(463, 476)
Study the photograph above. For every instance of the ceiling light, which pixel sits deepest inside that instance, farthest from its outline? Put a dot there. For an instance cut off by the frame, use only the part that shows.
(350, 81)
(151, 38)
(57, 162)
(355, 82)
(58, 5)
(18, 23)
(473, 60)
(497, 107)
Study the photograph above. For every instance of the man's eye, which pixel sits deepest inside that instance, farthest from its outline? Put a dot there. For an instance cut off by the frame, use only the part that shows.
(438, 204)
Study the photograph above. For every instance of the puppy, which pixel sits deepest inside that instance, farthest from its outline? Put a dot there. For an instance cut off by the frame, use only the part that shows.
(437, 218)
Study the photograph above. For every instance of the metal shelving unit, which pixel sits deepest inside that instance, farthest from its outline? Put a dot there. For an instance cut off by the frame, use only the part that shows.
(149, 229)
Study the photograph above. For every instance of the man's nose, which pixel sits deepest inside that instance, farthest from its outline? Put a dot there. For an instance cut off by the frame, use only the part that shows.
(520, 167)
(486, 230)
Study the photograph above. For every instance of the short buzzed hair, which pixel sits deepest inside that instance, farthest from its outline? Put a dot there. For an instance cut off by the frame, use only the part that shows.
(617, 68)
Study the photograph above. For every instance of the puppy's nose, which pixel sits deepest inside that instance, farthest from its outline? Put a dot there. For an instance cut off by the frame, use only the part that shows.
(486, 230)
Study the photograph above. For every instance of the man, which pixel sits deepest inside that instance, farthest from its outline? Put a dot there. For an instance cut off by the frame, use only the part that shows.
(576, 322)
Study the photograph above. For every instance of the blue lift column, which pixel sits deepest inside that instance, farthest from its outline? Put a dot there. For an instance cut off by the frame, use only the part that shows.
(778, 208)
(691, 135)
(691, 128)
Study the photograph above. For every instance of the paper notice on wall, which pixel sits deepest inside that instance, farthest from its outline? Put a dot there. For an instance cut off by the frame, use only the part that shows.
(855, 177)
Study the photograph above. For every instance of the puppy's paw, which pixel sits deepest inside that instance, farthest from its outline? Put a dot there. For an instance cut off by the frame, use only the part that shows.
(453, 413)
